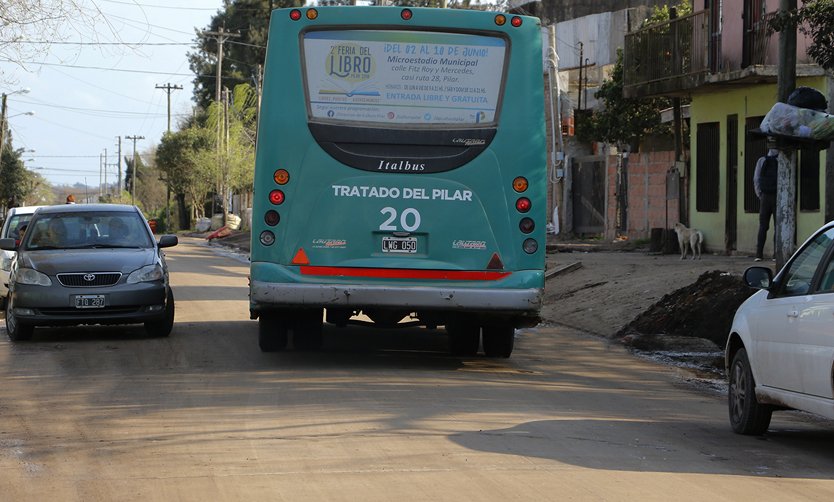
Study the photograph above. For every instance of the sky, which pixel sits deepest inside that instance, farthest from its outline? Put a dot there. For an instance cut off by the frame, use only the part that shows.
(85, 96)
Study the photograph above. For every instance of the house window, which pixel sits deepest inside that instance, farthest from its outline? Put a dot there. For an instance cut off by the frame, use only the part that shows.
(755, 146)
(809, 180)
(708, 168)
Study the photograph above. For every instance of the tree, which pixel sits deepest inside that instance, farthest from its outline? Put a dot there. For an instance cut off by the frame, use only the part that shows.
(181, 157)
(29, 27)
(814, 18)
(15, 182)
(622, 121)
(241, 56)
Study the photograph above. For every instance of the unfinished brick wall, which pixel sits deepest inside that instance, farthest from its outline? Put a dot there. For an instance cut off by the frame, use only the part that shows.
(647, 206)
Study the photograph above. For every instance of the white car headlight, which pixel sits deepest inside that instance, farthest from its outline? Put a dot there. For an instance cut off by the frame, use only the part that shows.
(148, 273)
(32, 277)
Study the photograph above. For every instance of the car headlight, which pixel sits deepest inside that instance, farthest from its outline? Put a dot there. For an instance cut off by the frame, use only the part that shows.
(5, 263)
(147, 273)
(32, 277)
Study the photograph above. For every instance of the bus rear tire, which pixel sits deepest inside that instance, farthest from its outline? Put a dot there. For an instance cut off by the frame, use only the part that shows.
(272, 332)
(464, 338)
(498, 341)
(308, 332)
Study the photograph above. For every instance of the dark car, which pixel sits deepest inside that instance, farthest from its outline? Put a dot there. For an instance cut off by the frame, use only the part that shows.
(89, 264)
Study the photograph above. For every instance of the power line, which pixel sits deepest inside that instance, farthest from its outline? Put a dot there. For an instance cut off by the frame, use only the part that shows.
(151, 6)
(129, 44)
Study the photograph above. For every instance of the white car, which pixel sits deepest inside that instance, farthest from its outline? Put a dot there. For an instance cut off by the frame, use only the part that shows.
(15, 218)
(780, 351)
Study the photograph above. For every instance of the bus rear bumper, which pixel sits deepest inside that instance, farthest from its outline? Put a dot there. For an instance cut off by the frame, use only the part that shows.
(520, 302)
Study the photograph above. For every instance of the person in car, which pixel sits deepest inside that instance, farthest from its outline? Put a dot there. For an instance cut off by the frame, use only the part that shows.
(54, 236)
(118, 231)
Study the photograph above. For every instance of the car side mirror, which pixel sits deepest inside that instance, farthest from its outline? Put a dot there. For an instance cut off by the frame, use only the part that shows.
(758, 277)
(167, 241)
(8, 244)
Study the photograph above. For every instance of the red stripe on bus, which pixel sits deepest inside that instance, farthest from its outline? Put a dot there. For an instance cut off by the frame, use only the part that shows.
(405, 273)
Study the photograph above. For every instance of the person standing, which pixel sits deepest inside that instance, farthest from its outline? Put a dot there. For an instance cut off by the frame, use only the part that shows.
(70, 199)
(764, 183)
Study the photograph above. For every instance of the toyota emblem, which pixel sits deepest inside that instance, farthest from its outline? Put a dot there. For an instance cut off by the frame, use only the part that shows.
(89, 277)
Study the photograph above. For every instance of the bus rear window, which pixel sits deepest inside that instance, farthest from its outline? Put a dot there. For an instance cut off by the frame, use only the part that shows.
(403, 77)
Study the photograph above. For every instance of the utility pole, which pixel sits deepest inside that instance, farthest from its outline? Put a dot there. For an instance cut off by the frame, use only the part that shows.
(106, 190)
(168, 90)
(785, 227)
(135, 168)
(119, 164)
(220, 37)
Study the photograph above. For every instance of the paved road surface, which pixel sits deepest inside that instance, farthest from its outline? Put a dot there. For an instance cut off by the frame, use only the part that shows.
(108, 414)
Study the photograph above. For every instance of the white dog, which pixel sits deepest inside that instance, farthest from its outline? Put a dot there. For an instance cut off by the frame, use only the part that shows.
(689, 238)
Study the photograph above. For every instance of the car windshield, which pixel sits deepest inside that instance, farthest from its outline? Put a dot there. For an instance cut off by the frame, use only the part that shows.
(87, 230)
(15, 223)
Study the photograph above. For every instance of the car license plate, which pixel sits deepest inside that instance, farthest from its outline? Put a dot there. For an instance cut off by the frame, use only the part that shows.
(399, 244)
(89, 301)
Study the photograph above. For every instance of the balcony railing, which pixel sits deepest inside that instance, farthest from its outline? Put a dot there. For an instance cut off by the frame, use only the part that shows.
(667, 57)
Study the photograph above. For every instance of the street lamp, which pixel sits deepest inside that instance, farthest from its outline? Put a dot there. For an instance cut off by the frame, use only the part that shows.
(19, 114)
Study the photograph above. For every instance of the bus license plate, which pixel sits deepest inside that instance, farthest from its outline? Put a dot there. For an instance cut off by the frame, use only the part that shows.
(89, 301)
(399, 244)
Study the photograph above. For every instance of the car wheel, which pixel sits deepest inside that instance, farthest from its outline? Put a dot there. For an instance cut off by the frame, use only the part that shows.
(163, 327)
(464, 338)
(747, 415)
(308, 331)
(17, 332)
(272, 332)
(498, 341)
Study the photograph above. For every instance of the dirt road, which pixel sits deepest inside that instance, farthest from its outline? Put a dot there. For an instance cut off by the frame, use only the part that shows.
(108, 414)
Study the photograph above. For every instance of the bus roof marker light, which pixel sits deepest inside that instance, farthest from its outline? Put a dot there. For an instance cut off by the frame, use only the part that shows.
(276, 197)
(523, 205)
(281, 176)
(406, 14)
(516, 21)
(520, 184)
(500, 20)
(295, 14)
(313, 13)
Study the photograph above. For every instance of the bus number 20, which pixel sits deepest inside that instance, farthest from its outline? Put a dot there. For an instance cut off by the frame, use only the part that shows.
(409, 219)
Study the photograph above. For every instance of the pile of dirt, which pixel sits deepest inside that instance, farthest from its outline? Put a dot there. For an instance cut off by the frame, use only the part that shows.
(704, 310)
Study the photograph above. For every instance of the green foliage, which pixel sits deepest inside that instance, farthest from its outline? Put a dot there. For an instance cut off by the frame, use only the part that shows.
(241, 56)
(621, 120)
(663, 13)
(816, 19)
(15, 184)
(185, 158)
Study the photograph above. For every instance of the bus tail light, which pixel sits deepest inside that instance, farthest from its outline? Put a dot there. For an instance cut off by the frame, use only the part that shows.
(272, 217)
(495, 263)
(526, 225)
(530, 246)
(523, 204)
(300, 258)
(276, 197)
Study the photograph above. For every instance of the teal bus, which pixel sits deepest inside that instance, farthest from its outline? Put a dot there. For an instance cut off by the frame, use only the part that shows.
(400, 175)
